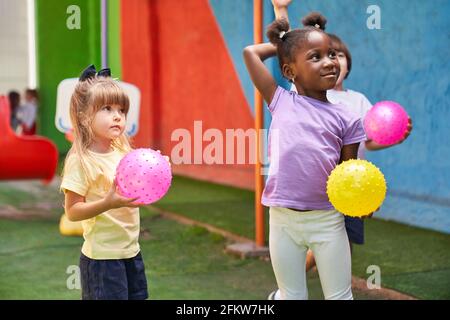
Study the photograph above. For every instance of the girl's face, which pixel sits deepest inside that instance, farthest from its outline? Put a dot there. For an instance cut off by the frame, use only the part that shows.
(109, 122)
(29, 97)
(316, 67)
(343, 65)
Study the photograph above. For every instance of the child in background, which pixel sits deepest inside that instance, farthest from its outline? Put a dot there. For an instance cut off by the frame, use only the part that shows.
(27, 112)
(360, 105)
(314, 136)
(111, 264)
(14, 103)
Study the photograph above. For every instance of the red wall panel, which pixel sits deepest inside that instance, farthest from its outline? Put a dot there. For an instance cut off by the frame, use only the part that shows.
(174, 52)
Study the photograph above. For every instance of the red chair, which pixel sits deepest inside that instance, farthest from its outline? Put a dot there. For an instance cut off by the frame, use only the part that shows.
(24, 157)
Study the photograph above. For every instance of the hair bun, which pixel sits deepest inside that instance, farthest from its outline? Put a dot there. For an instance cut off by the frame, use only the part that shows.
(277, 31)
(315, 19)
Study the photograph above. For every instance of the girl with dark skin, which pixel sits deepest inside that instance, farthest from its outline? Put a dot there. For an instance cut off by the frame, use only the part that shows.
(314, 136)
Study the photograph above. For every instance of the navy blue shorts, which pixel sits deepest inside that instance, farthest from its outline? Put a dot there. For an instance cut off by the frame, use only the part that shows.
(355, 229)
(119, 279)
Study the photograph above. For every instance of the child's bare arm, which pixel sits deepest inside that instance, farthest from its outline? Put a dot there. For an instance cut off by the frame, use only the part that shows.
(263, 80)
(373, 146)
(280, 8)
(78, 209)
(349, 151)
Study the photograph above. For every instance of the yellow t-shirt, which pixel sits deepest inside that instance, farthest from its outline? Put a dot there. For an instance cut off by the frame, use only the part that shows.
(112, 234)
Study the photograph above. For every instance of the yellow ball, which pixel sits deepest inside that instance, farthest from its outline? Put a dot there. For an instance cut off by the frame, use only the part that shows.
(70, 228)
(356, 188)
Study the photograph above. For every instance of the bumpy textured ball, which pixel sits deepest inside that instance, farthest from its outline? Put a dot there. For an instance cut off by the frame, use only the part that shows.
(386, 122)
(356, 188)
(143, 173)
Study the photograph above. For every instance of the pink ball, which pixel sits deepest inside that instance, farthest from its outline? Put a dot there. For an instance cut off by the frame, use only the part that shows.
(386, 122)
(143, 173)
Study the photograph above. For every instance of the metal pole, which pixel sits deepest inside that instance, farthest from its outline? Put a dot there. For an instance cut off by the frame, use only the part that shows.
(104, 32)
(259, 182)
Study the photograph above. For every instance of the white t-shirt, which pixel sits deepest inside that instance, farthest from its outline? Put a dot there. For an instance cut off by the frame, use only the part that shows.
(356, 101)
(27, 114)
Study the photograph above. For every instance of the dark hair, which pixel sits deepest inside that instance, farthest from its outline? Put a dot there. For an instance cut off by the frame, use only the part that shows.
(14, 99)
(288, 42)
(338, 45)
(32, 92)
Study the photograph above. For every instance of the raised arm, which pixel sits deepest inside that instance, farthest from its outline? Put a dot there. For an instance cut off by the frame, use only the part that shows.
(263, 80)
(280, 8)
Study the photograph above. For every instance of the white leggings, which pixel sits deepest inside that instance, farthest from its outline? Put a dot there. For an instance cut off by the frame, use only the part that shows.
(323, 231)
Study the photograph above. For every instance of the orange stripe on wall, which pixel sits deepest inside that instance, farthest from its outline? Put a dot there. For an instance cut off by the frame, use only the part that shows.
(136, 62)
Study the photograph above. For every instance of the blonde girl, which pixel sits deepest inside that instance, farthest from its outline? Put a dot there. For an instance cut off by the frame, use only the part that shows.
(111, 264)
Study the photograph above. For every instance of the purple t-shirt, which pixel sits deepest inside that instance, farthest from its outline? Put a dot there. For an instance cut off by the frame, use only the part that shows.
(305, 141)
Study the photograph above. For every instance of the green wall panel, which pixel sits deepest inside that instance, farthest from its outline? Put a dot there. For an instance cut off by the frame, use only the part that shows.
(62, 53)
(114, 43)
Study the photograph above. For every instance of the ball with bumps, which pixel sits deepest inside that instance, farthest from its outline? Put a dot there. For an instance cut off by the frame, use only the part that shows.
(143, 173)
(386, 122)
(356, 188)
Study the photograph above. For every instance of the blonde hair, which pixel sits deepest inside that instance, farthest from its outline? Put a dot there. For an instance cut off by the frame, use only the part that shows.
(89, 97)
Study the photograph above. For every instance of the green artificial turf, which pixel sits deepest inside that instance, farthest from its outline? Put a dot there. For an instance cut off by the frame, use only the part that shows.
(412, 260)
(185, 262)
